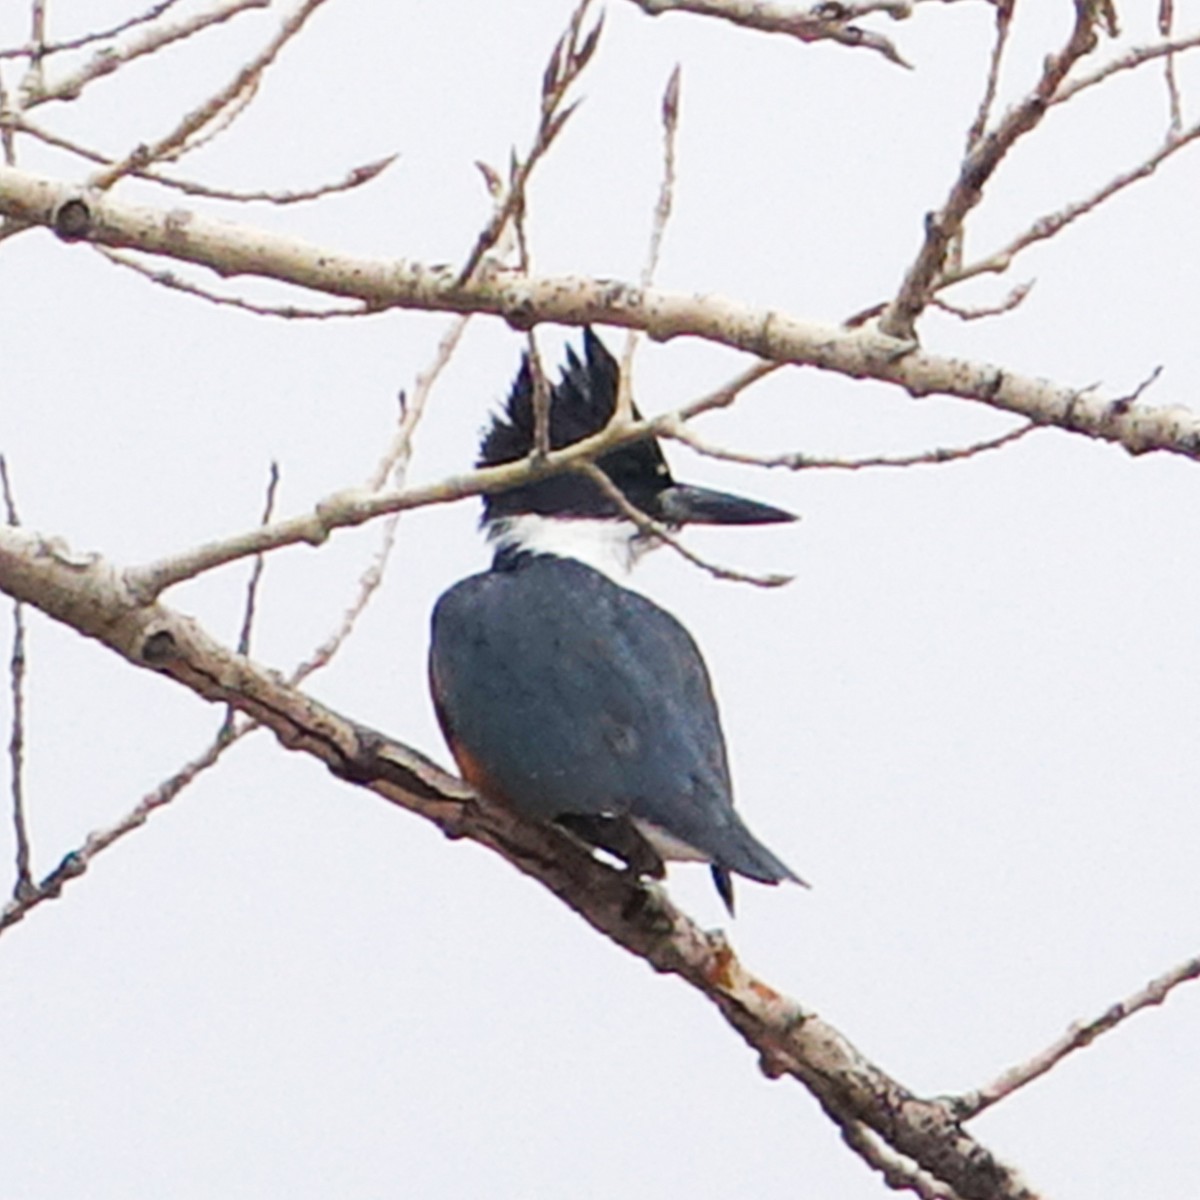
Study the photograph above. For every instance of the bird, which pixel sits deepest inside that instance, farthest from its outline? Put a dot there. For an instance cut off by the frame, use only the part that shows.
(568, 696)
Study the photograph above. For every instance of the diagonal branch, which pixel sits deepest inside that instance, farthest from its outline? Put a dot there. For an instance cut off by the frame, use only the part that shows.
(149, 40)
(942, 228)
(247, 78)
(1076, 1038)
(88, 594)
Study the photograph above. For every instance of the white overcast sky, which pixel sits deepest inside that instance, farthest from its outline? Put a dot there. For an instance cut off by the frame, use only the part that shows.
(971, 721)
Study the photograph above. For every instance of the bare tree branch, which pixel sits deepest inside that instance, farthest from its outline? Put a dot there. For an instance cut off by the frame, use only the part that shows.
(355, 178)
(77, 861)
(980, 311)
(623, 412)
(1138, 56)
(16, 741)
(151, 39)
(1076, 1038)
(942, 228)
(660, 532)
(247, 78)
(823, 22)
(568, 60)
(29, 894)
(89, 595)
(798, 461)
(571, 300)
(46, 49)
(1052, 223)
(176, 283)
(899, 1174)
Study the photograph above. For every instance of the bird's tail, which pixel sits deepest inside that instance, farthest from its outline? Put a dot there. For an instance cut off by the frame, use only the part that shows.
(743, 854)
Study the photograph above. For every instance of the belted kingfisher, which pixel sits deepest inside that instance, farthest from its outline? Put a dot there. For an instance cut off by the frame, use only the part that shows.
(567, 696)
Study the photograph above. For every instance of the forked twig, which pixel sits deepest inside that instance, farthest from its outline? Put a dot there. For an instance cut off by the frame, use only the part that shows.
(571, 54)
(943, 228)
(212, 108)
(1050, 224)
(230, 732)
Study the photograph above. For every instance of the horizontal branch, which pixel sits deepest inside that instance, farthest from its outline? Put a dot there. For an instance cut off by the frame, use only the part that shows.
(88, 594)
(821, 22)
(522, 300)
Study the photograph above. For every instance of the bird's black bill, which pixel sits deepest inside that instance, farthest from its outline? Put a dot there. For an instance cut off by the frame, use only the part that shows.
(682, 504)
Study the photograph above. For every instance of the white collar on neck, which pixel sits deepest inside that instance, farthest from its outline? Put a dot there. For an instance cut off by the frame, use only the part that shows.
(611, 547)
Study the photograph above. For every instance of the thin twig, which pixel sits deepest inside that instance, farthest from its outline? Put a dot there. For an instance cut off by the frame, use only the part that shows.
(7, 139)
(220, 123)
(243, 645)
(666, 187)
(16, 742)
(983, 114)
(1137, 57)
(809, 462)
(660, 532)
(541, 397)
(48, 48)
(392, 465)
(979, 311)
(249, 608)
(1050, 224)
(76, 862)
(901, 1175)
(230, 732)
(1078, 1036)
(175, 283)
(943, 227)
(354, 506)
(352, 179)
(623, 411)
(213, 107)
(1166, 19)
(571, 54)
(150, 40)
(391, 469)
(1004, 11)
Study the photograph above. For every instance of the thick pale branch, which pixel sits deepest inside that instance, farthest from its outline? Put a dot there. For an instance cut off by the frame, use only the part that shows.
(821, 22)
(231, 249)
(90, 595)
